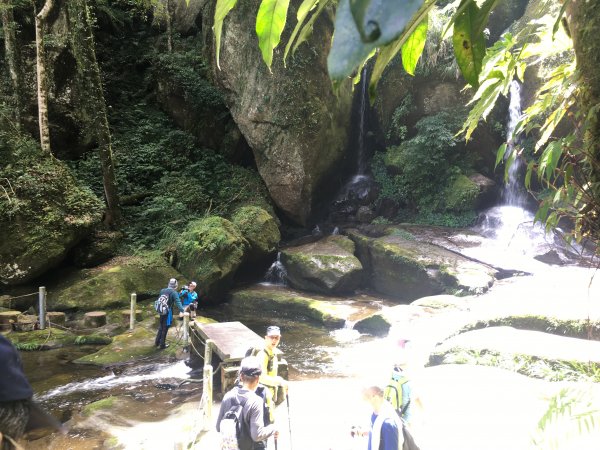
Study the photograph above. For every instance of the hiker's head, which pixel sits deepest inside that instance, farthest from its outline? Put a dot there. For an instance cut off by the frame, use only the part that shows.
(172, 283)
(192, 285)
(273, 336)
(373, 395)
(250, 370)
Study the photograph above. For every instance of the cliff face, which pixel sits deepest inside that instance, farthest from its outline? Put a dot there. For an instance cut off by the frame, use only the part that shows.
(295, 124)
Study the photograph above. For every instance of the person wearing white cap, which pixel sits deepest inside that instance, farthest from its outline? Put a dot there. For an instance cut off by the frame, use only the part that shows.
(268, 359)
(253, 429)
(189, 298)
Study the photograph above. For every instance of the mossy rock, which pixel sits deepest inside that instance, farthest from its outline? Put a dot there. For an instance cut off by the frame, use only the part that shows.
(47, 213)
(210, 250)
(326, 266)
(111, 284)
(461, 195)
(329, 313)
(376, 325)
(406, 269)
(105, 404)
(260, 229)
(127, 347)
(42, 339)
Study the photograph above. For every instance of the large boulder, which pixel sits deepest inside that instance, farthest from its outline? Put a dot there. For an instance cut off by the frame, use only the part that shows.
(43, 214)
(290, 116)
(111, 284)
(405, 268)
(210, 250)
(260, 229)
(327, 266)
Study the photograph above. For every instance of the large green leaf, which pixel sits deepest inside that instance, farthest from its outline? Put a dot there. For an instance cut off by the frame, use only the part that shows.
(469, 43)
(387, 53)
(413, 47)
(305, 8)
(307, 29)
(348, 50)
(222, 8)
(382, 20)
(270, 22)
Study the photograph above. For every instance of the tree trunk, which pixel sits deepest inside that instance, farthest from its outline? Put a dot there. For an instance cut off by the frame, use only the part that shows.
(169, 26)
(42, 82)
(85, 53)
(584, 26)
(12, 56)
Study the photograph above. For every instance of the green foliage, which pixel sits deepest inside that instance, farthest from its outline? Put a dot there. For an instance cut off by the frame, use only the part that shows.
(446, 219)
(189, 72)
(468, 37)
(413, 47)
(27, 346)
(222, 8)
(397, 130)
(270, 21)
(93, 339)
(571, 414)
(426, 162)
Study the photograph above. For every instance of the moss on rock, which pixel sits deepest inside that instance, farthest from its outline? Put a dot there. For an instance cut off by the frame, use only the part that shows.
(260, 229)
(210, 250)
(127, 347)
(461, 194)
(105, 403)
(42, 339)
(111, 284)
(327, 266)
(44, 214)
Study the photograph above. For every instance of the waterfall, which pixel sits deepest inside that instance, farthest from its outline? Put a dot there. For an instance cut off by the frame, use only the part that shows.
(276, 273)
(513, 193)
(361, 166)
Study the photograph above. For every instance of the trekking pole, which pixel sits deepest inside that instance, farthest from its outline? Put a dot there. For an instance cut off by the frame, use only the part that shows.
(275, 439)
(287, 400)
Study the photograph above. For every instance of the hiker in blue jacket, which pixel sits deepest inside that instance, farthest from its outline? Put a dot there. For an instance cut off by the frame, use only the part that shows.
(167, 319)
(386, 426)
(189, 298)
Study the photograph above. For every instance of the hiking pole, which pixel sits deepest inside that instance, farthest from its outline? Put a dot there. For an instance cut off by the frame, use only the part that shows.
(275, 439)
(287, 400)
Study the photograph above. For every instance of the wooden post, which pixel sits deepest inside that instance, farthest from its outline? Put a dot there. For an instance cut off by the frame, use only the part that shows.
(132, 308)
(42, 307)
(186, 330)
(208, 352)
(207, 387)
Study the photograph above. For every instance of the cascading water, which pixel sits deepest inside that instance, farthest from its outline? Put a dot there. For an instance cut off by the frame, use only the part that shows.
(513, 237)
(513, 193)
(276, 273)
(362, 166)
(357, 191)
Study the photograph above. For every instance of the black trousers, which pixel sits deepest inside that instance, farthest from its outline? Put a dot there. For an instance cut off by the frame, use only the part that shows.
(161, 334)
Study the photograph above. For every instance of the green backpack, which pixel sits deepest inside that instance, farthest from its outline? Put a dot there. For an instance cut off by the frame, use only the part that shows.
(393, 392)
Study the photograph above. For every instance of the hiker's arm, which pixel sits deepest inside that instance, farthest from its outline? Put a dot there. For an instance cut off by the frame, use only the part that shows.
(225, 404)
(258, 430)
(177, 302)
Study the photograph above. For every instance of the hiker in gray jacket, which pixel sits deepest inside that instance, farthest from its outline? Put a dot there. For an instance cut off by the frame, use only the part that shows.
(254, 433)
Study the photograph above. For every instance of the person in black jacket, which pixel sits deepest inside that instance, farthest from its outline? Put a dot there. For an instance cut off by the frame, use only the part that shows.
(165, 321)
(18, 412)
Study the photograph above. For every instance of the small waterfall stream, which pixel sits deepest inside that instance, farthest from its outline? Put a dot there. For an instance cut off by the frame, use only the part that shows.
(276, 273)
(513, 191)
